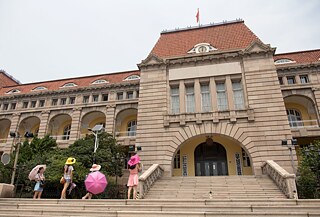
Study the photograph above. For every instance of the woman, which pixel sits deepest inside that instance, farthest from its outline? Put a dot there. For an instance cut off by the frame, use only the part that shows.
(38, 188)
(133, 181)
(67, 175)
(94, 168)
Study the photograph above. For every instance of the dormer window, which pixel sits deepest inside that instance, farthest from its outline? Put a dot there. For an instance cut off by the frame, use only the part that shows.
(40, 88)
(132, 77)
(71, 84)
(100, 81)
(13, 91)
(202, 48)
(284, 61)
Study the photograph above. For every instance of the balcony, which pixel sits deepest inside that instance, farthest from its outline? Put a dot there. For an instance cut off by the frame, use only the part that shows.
(305, 128)
(304, 124)
(126, 137)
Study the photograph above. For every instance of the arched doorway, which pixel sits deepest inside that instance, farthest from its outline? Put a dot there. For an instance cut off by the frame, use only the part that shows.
(210, 159)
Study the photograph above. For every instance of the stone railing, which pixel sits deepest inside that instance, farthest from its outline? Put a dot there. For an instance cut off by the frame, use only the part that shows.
(148, 178)
(284, 180)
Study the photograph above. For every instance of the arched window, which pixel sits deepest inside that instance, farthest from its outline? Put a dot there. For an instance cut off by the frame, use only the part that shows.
(13, 91)
(100, 81)
(294, 118)
(66, 132)
(71, 84)
(132, 128)
(132, 77)
(284, 61)
(40, 88)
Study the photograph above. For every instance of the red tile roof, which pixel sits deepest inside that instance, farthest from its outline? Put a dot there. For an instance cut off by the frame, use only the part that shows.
(308, 56)
(80, 82)
(225, 36)
(6, 80)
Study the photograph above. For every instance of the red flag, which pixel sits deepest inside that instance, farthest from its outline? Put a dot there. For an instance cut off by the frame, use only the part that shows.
(198, 16)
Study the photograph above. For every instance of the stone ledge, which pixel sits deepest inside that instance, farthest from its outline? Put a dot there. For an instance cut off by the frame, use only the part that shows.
(6, 190)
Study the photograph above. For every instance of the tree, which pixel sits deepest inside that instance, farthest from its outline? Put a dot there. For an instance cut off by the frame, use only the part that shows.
(309, 172)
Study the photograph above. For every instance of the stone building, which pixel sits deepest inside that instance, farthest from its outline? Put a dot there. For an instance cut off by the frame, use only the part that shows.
(210, 100)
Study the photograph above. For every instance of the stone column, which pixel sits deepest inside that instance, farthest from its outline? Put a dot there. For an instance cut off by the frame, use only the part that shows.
(44, 123)
(197, 95)
(13, 128)
(229, 90)
(213, 93)
(182, 97)
(75, 124)
(110, 119)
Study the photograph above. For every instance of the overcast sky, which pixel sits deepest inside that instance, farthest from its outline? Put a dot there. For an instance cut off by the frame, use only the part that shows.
(43, 40)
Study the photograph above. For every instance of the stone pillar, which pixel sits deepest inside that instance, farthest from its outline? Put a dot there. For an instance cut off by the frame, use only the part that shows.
(75, 124)
(182, 97)
(197, 96)
(44, 123)
(213, 94)
(229, 90)
(110, 119)
(13, 128)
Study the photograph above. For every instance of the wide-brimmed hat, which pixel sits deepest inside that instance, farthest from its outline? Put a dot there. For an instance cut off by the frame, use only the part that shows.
(70, 161)
(95, 167)
(135, 159)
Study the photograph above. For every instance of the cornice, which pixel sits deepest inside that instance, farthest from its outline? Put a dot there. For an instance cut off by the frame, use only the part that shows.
(297, 66)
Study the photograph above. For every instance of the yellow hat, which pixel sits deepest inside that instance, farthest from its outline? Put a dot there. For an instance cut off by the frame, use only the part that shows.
(70, 161)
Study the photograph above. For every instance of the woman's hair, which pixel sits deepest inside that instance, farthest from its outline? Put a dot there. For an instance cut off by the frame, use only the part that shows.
(40, 168)
(132, 167)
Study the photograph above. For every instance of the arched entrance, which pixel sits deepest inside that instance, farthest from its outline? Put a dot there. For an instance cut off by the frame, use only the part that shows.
(210, 159)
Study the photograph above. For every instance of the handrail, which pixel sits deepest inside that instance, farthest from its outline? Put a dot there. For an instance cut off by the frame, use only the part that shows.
(60, 137)
(304, 123)
(284, 180)
(125, 133)
(148, 178)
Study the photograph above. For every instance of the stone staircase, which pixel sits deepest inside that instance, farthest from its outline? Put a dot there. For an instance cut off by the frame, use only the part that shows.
(221, 187)
(160, 207)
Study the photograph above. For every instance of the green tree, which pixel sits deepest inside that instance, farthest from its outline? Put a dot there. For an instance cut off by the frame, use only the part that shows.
(309, 172)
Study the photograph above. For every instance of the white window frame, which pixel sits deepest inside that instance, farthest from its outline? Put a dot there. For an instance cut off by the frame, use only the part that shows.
(190, 99)
(238, 95)
(222, 99)
(175, 99)
(205, 98)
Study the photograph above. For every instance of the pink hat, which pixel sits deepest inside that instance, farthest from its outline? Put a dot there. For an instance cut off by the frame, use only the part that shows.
(134, 160)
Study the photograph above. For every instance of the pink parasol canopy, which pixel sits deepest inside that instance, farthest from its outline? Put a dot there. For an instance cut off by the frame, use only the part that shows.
(96, 182)
(34, 171)
(134, 160)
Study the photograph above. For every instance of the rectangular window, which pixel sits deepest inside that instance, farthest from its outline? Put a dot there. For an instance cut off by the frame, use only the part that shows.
(245, 159)
(130, 95)
(238, 97)
(25, 104)
(222, 97)
(41, 103)
(33, 104)
(72, 100)
(54, 102)
(85, 99)
(13, 106)
(291, 80)
(63, 101)
(190, 103)
(105, 97)
(205, 98)
(280, 80)
(5, 106)
(176, 163)
(304, 79)
(120, 96)
(95, 98)
(175, 101)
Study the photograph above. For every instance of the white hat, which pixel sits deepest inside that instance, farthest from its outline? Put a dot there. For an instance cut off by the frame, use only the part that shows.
(95, 167)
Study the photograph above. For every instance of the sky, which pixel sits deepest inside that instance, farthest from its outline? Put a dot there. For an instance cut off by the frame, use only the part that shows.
(43, 40)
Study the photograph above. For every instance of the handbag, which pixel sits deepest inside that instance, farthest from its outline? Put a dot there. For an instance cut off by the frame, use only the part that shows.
(42, 183)
(62, 180)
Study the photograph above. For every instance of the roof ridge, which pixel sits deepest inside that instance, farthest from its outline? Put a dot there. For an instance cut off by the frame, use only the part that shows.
(10, 76)
(301, 51)
(224, 22)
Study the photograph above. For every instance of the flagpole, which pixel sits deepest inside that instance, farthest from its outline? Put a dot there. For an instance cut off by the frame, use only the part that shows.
(199, 17)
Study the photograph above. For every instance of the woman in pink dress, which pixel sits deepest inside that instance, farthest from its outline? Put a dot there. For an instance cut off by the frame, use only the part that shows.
(133, 180)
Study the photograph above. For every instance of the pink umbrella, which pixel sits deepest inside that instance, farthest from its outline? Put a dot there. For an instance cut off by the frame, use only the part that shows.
(134, 160)
(34, 171)
(96, 182)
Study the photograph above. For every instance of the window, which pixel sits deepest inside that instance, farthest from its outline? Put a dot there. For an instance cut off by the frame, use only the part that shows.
(5, 106)
(291, 80)
(25, 104)
(175, 101)
(283, 61)
(119, 96)
(100, 81)
(105, 97)
(304, 79)
(40, 88)
(54, 102)
(294, 118)
(63, 101)
(245, 158)
(132, 77)
(72, 100)
(280, 80)
(205, 98)
(222, 97)
(190, 103)
(69, 85)
(176, 161)
(202, 48)
(130, 95)
(238, 95)
(66, 132)
(41, 103)
(132, 128)
(13, 106)
(95, 98)
(85, 99)
(13, 91)
(33, 104)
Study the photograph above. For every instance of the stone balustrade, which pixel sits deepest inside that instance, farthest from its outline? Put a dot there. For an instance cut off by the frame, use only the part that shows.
(148, 178)
(284, 180)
